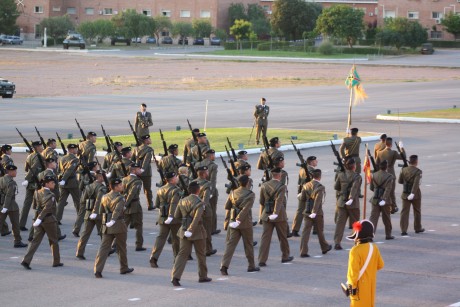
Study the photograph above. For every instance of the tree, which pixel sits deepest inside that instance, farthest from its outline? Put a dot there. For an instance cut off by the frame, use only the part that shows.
(241, 29)
(236, 11)
(293, 17)
(415, 34)
(57, 27)
(403, 32)
(104, 28)
(261, 26)
(220, 33)
(162, 23)
(202, 27)
(254, 12)
(88, 30)
(341, 21)
(8, 16)
(388, 37)
(132, 24)
(183, 29)
(451, 23)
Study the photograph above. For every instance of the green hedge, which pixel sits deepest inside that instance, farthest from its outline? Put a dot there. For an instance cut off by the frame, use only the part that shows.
(445, 44)
(50, 41)
(367, 50)
(246, 45)
(366, 42)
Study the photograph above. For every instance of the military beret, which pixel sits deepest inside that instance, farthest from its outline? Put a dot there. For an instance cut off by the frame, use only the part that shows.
(117, 144)
(196, 130)
(193, 184)
(279, 159)
(354, 129)
(11, 167)
(173, 147)
(144, 105)
(202, 168)
(350, 161)
(145, 137)
(201, 134)
(311, 158)
(273, 141)
(50, 141)
(92, 164)
(134, 164)
(276, 170)
(242, 152)
(36, 143)
(115, 181)
(71, 146)
(91, 133)
(170, 175)
(48, 179)
(383, 137)
(6, 147)
(316, 172)
(50, 160)
(125, 150)
(244, 167)
(210, 151)
(243, 179)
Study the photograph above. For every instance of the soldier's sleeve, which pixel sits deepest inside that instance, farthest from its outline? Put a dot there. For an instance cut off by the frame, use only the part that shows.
(85, 195)
(28, 167)
(388, 184)
(136, 122)
(319, 195)
(10, 193)
(213, 175)
(150, 122)
(196, 217)
(119, 207)
(268, 110)
(337, 185)
(49, 201)
(280, 200)
(147, 160)
(207, 193)
(247, 207)
(342, 149)
(70, 170)
(228, 202)
(106, 164)
(174, 201)
(178, 212)
(416, 185)
(92, 154)
(157, 199)
(133, 191)
(354, 191)
(261, 162)
(102, 191)
(262, 196)
(255, 112)
(371, 186)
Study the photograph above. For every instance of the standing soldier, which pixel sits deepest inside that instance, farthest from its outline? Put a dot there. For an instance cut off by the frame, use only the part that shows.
(143, 121)
(381, 186)
(410, 179)
(273, 215)
(132, 185)
(391, 156)
(381, 145)
(312, 195)
(91, 199)
(68, 183)
(116, 170)
(112, 157)
(34, 165)
(5, 160)
(240, 202)
(113, 227)
(261, 112)
(347, 185)
(45, 222)
(170, 163)
(350, 148)
(144, 154)
(264, 162)
(168, 197)
(8, 191)
(190, 211)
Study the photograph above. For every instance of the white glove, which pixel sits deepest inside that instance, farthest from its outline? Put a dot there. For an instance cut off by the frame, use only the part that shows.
(187, 234)
(235, 224)
(312, 216)
(110, 224)
(4, 210)
(37, 222)
(92, 216)
(411, 196)
(62, 183)
(109, 175)
(299, 195)
(272, 217)
(25, 183)
(142, 170)
(168, 220)
(401, 145)
(382, 203)
(349, 202)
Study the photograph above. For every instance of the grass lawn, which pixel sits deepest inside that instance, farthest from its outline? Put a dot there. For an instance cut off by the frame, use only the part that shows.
(292, 54)
(443, 113)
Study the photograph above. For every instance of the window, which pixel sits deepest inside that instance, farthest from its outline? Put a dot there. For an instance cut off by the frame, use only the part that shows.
(205, 14)
(38, 9)
(436, 15)
(412, 15)
(89, 11)
(166, 13)
(436, 34)
(56, 8)
(390, 14)
(185, 14)
(108, 11)
(147, 12)
(71, 10)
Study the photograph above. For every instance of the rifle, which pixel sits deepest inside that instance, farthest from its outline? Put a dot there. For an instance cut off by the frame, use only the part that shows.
(267, 174)
(84, 163)
(64, 150)
(164, 143)
(235, 157)
(403, 156)
(303, 165)
(40, 158)
(41, 138)
(106, 181)
(160, 171)
(138, 142)
(119, 156)
(81, 130)
(233, 183)
(232, 163)
(374, 166)
(195, 139)
(31, 150)
(339, 160)
(107, 140)
(253, 125)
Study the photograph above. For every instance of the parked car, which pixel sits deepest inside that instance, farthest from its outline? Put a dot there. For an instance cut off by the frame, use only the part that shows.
(427, 48)
(167, 40)
(74, 40)
(215, 41)
(7, 89)
(136, 40)
(181, 41)
(198, 41)
(151, 40)
(120, 39)
(12, 40)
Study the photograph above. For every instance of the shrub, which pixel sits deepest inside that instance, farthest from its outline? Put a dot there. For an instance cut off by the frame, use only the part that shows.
(326, 48)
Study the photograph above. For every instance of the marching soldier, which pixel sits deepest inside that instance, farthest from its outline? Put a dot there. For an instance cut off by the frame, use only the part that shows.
(45, 222)
(242, 159)
(68, 184)
(279, 163)
(87, 178)
(347, 186)
(34, 165)
(410, 179)
(192, 233)
(273, 215)
(5, 160)
(189, 143)
(144, 154)
(132, 185)
(381, 186)
(264, 162)
(240, 202)
(87, 148)
(350, 148)
(143, 121)
(391, 156)
(194, 155)
(170, 163)
(183, 173)
(261, 118)
(116, 170)
(10, 208)
(246, 170)
(112, 157)
(381, 145)
(50, 150)
(312, 195)
(168, 197)
(91, 199)
(113, 227)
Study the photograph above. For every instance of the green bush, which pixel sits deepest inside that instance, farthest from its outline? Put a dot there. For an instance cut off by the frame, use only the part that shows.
(366, 42)
(326, 48)
(368, 50)
(445, 44)
(246, 45)
(50, 41)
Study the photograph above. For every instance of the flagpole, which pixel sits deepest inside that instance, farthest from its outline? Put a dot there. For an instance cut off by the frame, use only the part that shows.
(349, 111)
(366, 158)
(205, 116)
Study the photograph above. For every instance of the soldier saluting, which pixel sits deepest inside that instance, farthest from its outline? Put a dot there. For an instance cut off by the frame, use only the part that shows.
(261, 112)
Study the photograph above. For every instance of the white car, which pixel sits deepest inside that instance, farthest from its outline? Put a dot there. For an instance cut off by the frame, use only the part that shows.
(12, 40)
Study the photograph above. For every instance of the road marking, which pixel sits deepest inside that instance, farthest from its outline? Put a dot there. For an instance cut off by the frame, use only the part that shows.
(134, 299)
(455, 305)
(428, 185)
(454, 225)
(222, 278)
(179, 289)
(380, 242)
(152, 233)
(89, 244)
(14, 257)
(287, 263)
(431, 230)
(405, 236)
(318, 256)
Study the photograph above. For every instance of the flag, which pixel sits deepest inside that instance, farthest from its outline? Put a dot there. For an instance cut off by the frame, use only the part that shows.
(353, 82)
(367, 169)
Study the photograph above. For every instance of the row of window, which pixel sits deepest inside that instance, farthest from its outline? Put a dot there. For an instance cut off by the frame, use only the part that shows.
(109, 11)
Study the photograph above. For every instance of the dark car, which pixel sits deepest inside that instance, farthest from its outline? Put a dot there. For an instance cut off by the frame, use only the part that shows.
(7, 89)
(198, 41)
(167, 40)
(427, 48)
(120, 39)
(151, 40)
(215, 41)
(74, 40)
(181, 41)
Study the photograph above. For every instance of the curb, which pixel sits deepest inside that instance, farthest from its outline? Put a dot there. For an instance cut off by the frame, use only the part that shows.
(419, 119)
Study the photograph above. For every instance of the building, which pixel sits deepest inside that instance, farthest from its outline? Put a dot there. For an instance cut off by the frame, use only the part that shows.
(34, 11)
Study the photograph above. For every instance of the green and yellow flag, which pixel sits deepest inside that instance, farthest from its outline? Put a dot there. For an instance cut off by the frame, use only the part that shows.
(353, 82)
